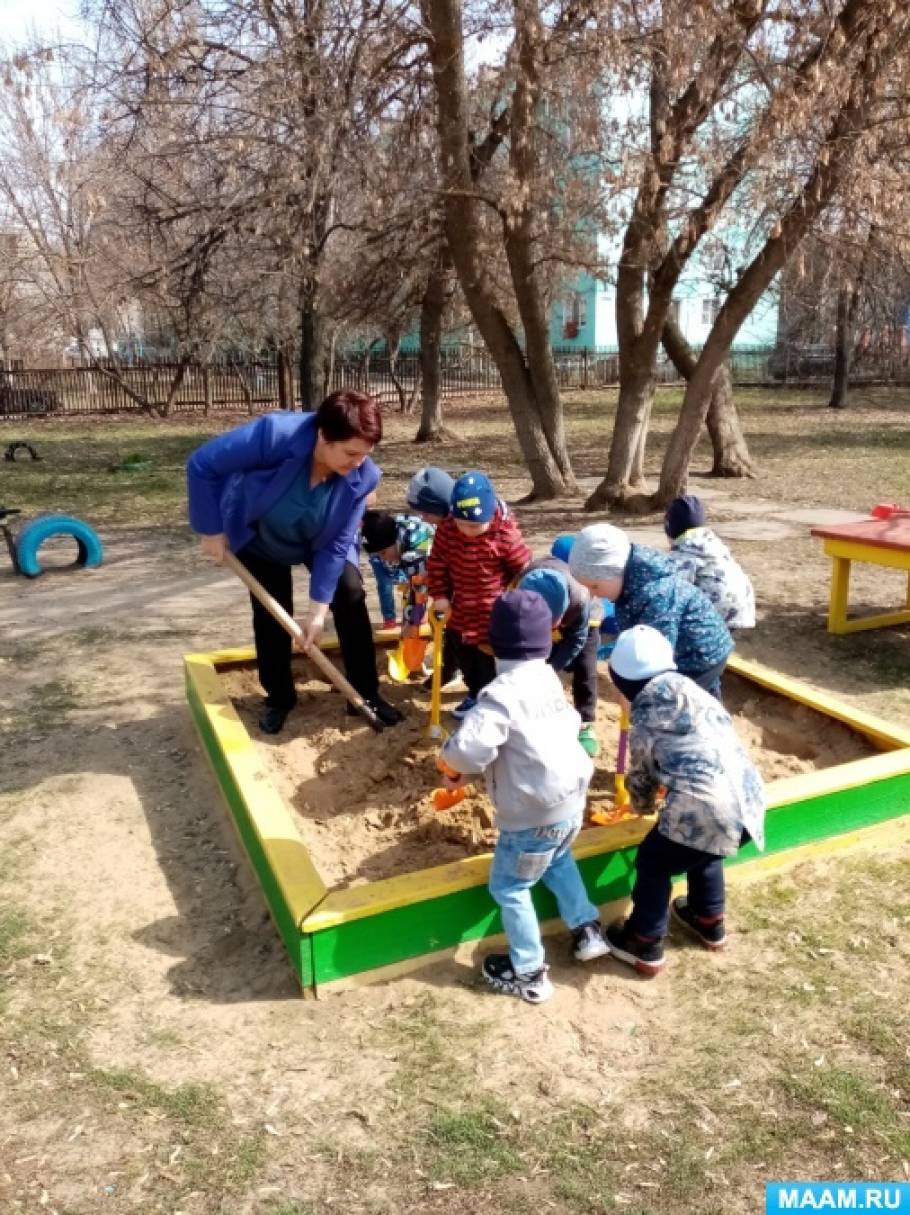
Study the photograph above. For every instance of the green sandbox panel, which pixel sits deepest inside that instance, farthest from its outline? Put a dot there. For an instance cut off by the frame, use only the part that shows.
(469, 915)
(299, 947)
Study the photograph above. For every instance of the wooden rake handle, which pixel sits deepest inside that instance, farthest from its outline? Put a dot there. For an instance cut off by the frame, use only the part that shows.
(325, 666)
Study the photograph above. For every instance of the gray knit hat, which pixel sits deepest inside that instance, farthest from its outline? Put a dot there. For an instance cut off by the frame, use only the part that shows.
(600, 551)
(430, 490)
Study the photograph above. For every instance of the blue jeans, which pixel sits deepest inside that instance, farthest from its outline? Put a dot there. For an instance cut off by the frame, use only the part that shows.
(521, 860)
(385, 586)
(659, 859)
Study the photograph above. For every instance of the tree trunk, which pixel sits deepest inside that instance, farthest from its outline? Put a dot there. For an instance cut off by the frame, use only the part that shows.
(536, 411)
(843, 351)
(311, 346)
(731, 452)
(432, 307)
(830, 167)
(624, 478)
(174, 387)
(285, 380)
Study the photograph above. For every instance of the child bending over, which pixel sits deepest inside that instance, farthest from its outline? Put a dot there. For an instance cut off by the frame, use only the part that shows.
(576, 636)
(524, 737)
(701, 556)
(680, 737)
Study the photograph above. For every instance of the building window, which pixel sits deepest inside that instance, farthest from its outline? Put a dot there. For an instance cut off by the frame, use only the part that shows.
(709, 309)
(574, 315)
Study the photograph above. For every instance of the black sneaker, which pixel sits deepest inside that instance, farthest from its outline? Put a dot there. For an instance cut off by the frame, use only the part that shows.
(711, 933)
(273, 717)
(647, 956)
(498, 972)
(387, 714)
(588, 942)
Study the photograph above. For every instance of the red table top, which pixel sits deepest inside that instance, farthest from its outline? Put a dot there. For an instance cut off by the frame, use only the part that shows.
(880, 533)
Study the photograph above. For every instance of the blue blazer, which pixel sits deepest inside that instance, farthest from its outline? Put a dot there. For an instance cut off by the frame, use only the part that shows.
(237, 477)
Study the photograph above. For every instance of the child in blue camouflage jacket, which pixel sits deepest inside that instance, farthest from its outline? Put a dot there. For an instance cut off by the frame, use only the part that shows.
(681, 739)
(645, 588)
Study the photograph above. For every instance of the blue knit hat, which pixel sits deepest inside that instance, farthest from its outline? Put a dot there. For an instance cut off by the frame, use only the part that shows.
(521, 626)
(429, 491)
(562, 546)
(684, 513)
(554, 588)
(473, 498)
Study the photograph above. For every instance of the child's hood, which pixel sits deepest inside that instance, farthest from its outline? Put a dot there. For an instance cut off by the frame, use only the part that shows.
(701, 542)
(668, 704)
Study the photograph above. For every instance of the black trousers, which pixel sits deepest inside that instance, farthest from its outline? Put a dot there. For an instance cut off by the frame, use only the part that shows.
(477, 667)
(584, 677)
(273, 644)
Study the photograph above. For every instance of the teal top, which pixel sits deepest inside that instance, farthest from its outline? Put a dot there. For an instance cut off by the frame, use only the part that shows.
(287, 531)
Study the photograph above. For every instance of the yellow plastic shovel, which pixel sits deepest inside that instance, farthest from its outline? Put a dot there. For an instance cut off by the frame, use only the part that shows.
(434, 725)
(621, 799)
(398, 667)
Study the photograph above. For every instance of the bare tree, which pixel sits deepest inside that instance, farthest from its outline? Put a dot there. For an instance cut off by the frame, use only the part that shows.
(540, 111)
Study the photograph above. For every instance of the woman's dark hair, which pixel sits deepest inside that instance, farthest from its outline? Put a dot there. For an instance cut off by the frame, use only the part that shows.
(348, 415)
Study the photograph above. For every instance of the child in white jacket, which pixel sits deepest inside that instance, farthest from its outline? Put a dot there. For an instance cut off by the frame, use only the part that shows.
(701, 556)
(523, 735)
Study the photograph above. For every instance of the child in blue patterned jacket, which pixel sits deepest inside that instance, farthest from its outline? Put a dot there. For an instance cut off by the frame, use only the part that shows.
(645, 588)
(701, 556)
(682, 739)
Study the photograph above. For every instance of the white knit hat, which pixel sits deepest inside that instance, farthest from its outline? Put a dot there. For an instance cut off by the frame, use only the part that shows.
(641, 652)
(600, 551)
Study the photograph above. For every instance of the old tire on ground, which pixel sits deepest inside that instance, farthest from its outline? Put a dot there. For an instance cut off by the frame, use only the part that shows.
(34, 534)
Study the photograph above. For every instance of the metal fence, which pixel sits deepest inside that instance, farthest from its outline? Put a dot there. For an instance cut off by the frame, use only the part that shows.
(464, 370)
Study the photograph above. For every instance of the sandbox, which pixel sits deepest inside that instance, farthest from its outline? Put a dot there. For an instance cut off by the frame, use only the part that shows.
(363, 878)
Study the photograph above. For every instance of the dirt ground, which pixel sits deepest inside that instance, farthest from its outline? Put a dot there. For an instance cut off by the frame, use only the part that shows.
(363, 801)
(155, 1056)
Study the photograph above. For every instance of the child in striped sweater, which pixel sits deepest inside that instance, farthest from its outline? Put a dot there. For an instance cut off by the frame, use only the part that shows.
(476, 552)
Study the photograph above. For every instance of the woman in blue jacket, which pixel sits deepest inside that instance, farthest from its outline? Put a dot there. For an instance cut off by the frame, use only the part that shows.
(290, 489)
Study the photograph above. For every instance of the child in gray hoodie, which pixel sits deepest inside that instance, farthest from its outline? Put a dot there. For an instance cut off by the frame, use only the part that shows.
(523, 735)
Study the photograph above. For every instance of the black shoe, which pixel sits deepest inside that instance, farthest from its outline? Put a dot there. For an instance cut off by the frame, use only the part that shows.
(588, 942)
(387, 714)
(273, 718)
(646, 955)
(711, 933)
(533, 988)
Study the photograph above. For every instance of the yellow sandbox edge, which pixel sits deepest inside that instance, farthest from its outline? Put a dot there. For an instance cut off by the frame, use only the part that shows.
(282, 845)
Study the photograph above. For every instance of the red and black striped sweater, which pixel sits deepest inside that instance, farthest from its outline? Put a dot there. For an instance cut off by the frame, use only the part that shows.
(472, 571)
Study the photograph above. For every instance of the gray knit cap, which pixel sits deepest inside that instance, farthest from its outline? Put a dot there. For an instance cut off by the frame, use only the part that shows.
(600, 551)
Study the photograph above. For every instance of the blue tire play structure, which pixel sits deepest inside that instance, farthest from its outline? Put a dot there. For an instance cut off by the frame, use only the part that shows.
(34, 534)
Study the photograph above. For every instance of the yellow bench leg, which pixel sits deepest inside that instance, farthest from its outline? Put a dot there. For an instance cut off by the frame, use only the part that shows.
(840, 587)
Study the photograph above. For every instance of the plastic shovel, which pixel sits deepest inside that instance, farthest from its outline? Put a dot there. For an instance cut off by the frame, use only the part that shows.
(434, 726)
(621, 799)
(323, 664)
(398, 667)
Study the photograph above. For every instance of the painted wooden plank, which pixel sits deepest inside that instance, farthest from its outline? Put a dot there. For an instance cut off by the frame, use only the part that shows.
(234, 756)
(894, 834)
(881, 733)
(410, 930)
(868, 534)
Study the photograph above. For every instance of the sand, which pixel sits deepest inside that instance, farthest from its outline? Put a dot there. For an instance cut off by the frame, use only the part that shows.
(362, 800)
